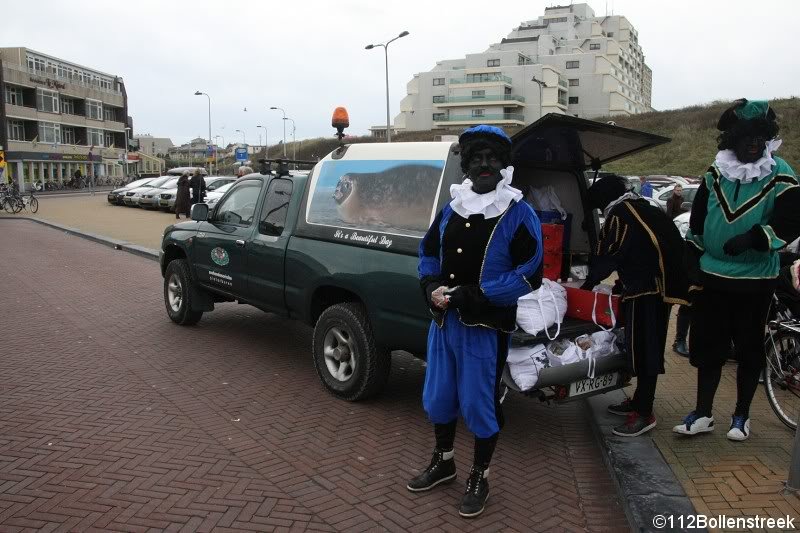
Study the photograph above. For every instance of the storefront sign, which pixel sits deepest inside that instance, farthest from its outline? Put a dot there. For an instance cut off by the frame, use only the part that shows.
(39, 156)
(50, 83)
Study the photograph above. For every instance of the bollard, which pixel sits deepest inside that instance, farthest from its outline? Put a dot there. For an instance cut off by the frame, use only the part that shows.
(793, 484)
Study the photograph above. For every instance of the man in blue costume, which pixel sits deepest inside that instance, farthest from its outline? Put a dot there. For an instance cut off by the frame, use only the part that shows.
(481, 254)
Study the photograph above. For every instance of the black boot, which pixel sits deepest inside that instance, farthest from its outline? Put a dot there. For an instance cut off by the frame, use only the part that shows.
(440, 471)
(474, 501)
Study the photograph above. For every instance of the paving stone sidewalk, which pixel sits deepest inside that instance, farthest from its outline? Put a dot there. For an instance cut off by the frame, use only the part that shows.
(113, 418)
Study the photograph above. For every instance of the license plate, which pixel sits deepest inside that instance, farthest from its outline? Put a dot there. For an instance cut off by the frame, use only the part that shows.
(590, 385)
(164, 202)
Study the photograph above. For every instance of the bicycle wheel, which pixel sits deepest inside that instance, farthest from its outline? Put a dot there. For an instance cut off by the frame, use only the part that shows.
(33, 204)
(782, 376)
(8, 205)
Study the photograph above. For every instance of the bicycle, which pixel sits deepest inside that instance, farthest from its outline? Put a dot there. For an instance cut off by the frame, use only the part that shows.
(782, 373)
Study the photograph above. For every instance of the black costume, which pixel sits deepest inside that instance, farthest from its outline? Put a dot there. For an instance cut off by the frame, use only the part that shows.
(198, 186)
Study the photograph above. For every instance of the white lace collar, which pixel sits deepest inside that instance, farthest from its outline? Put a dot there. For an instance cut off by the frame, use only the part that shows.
(467, 202)
(630, 195)
(734, 170)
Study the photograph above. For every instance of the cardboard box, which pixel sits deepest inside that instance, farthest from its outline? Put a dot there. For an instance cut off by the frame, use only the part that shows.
(551, 265)
(553, 238)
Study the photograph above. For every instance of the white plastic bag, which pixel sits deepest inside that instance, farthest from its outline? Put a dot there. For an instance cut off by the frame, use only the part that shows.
(525, 364)
(542, 308)
(545, 199)
(563, 352)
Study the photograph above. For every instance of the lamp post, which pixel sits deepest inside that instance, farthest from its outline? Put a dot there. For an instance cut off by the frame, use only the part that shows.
(294, 143)
(386, 63)
(541, 84)
(198, 93)
(266, 142)
(127, 172)
(244, 138)
(216, 152)
(284, 128)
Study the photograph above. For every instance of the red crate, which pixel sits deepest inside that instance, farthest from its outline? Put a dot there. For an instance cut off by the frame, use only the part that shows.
(553, 238)
(580, 303)
(551, 265)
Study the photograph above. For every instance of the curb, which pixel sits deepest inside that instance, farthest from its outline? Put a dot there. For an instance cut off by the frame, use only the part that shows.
(135, 249)
(645, 482)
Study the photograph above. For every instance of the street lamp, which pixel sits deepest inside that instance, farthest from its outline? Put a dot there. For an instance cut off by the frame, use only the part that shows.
(294, 143)
(127, 172)
(386, 62)
(244, 138)
(266, 142)
(216, 151)
(541, 84)
(198, 93)
(284, 128)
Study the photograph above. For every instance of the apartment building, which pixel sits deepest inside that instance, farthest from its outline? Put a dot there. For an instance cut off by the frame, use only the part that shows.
(193, 153)
(57, 116)
(567, 61)
(153, 146)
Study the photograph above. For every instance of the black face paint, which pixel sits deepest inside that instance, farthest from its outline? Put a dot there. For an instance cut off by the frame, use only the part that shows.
(484, 171)
(750, 148)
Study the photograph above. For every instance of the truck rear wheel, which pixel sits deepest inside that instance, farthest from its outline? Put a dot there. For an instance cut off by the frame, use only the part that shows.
(177, 294)
(345, 356)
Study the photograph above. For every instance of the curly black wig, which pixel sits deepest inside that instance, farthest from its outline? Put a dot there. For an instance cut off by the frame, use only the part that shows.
(501, 149)
(733, 128)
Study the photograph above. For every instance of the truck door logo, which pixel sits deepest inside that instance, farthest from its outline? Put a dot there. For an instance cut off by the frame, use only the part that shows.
(220, 256)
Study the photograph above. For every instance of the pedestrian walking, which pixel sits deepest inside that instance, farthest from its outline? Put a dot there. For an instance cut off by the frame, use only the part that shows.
(675, 202)
(645, 248)
(745, 211)
(182, 200)
(481, 254)
(647, 187)
(198, 186)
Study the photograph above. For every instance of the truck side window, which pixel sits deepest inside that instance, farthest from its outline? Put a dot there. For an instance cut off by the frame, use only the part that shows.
(276, 207)
(240, 205)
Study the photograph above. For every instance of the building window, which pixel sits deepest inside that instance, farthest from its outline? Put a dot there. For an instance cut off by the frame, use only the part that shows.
(479, 94)
(94, 109)
(594, 46)
(439, 116)
(522, 60)
(438, 81)
(478, 112)
(36, 64)
(49, 132)
(493, 63)
(573, 64)
(47, 101)
(94, 137)
(13, 95)
(67, 106)
(438, 99)
(16, 130)
(68, 135)
(109, 113)
(574, 83)
(610, 34)
(109, 139)
(573, 99)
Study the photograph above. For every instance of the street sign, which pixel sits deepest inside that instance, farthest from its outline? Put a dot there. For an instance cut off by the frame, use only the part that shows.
(241, 154)
(210, 151)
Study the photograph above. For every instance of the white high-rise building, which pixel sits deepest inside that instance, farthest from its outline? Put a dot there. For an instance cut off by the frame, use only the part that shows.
(584, 65)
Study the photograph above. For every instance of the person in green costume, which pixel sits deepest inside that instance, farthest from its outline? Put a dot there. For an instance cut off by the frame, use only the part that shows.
(744, 212)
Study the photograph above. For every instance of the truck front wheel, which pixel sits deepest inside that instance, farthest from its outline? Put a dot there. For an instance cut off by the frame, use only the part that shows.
(347, 361)
(177, 294)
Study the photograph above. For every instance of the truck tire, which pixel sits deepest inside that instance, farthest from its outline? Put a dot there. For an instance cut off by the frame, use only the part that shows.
(177, 294)
(345, 356)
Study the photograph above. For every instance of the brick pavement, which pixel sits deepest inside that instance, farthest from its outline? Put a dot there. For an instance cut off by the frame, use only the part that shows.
(113, 418)
(720, 476)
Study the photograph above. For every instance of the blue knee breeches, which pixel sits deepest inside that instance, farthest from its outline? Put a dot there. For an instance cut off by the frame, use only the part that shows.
(465, 364)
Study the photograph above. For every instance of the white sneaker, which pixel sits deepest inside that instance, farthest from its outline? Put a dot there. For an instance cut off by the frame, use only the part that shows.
(693, 424)
(740, 428)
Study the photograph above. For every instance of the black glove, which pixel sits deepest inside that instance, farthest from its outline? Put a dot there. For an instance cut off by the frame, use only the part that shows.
(467, 296)
(755, 239)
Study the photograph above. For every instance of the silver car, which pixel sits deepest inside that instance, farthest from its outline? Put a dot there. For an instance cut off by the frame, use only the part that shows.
(167, 198)
(133, 196)
(115, 197)
(149, 199)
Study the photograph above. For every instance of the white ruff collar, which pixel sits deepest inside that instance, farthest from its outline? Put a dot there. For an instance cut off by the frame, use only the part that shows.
(630, 195)
(467, 202)
(734, 170)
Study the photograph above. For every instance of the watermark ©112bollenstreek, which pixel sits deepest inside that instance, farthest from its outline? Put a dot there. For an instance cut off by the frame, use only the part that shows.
(701, 521)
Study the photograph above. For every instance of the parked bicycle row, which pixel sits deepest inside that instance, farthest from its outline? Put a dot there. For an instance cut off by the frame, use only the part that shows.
(12, 201)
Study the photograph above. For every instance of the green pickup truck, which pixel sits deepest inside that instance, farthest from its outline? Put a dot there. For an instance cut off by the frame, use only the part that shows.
(337, 249)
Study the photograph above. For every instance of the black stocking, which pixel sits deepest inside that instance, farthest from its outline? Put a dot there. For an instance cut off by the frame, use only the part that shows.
(445, 435)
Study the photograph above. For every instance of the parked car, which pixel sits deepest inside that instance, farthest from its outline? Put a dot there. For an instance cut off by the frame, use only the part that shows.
(167, 197)
(288, 245)
(662, 195)
(213, 197)
(150, 199)
(132, 196)
(115, 197)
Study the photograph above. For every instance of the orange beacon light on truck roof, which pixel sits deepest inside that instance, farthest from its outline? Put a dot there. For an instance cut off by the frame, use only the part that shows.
(340, 121)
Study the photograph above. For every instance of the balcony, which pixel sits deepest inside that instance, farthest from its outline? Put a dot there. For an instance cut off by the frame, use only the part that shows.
(563, 81)
(499, 118)
(488, 99)
(481, 78)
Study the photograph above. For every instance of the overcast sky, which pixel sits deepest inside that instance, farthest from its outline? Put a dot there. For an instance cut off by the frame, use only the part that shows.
(307, 56)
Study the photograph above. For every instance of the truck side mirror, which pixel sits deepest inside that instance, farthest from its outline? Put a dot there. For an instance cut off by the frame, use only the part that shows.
(199, 212)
